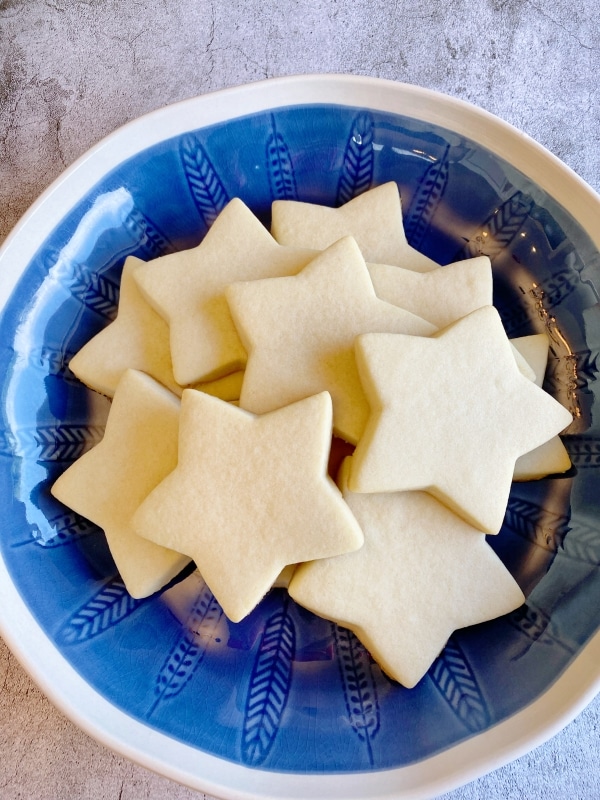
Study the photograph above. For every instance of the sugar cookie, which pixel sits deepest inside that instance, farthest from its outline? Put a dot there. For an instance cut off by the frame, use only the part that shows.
(441, 295)
(421, 574)
(450, 414)
(250, 495)
(299, 332)
(137, 339)
(551, 457)
(186, 288)
(108, 483)
(374, 219)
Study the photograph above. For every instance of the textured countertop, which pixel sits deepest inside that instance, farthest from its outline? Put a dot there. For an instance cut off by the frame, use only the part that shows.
(74, 70)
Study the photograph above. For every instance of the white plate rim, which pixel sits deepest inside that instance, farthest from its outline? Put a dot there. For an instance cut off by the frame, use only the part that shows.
(520, 733)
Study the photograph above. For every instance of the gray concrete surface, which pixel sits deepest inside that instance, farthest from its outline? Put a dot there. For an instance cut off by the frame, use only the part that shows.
(74, 70)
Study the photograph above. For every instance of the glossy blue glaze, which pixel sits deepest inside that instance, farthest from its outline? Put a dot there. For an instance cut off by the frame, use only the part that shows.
(284, 689)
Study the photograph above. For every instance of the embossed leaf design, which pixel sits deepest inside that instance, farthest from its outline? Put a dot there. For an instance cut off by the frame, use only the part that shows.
(586, 369)
(535, 624)
(205, 185)
(536, 524)
(280, 167)
(558, 287)
(531, 621)
(61, 442)
(68, 528)
(359, 687)
(269, 687)
(151, 239)
(97, 292)
(456, 682)
(425, 201)
(356, 173)
(516, 317)
(54, 359)
(107, 608)
(584, 451)
(579, 368)
(189, 650)
(499, 230)
(583, 543)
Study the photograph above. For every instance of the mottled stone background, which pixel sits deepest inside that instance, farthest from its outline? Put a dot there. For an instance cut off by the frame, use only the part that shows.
(74, 70)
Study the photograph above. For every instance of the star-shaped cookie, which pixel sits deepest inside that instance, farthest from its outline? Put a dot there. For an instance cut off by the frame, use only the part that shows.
(441, 295)
(373, 218)
(421, 574)
(299, 332)
(186, 289)
(249, 496)
(552, 456)
(450, 414)
(138, 338)
(109, 482)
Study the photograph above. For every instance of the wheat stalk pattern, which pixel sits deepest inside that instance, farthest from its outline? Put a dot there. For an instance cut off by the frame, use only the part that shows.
(60, 442)
(280, 167)
(109, 606)
(269, 687)
(359, 687)
(456, 682)
(204, 183)
(536, 524)
(500, 229)
(151, 239)
(536, 625)
(356, 174)
(189, 650)
(426, 200)
(584, 451)
(95, 291)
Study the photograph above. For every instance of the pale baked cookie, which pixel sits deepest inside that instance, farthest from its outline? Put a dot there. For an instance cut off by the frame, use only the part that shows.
(282, 581)
(551, 457)
(450, 414)
(534, 349)
(186, 288)
(374, 219)
(299, 333)
(137, 339)
(441, 295)
(250, 495)
(228, 387)
(421, 574)
(108, 483)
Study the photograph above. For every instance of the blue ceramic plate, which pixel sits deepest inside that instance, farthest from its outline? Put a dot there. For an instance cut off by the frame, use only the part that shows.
(286, 704)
